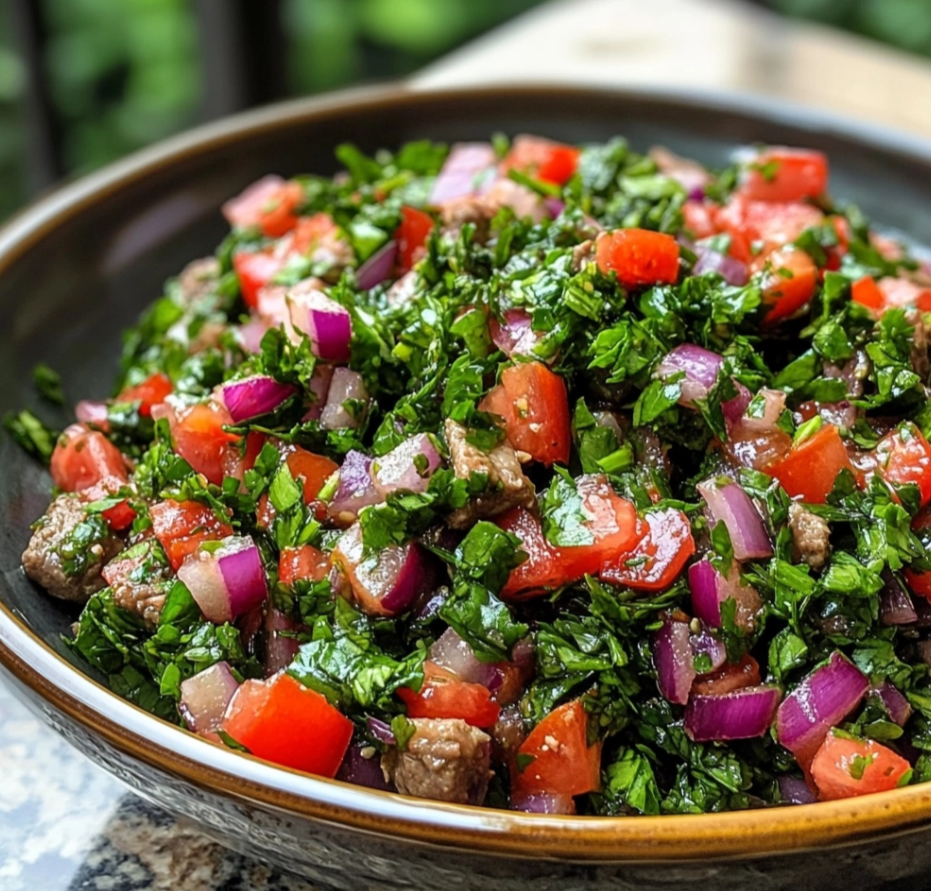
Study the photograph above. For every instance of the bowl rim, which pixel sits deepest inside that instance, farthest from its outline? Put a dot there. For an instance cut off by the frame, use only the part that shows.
(38, 668)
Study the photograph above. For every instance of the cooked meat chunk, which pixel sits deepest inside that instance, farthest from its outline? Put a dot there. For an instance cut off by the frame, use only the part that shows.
(582, 253)
(68, 550)
(446, 760)
(198, 278)
(481, 209)
(507, 485)
(921, 361)
(140, 581)
(811, 535)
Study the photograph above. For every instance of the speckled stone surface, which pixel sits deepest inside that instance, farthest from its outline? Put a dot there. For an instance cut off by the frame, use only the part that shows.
(65, 825)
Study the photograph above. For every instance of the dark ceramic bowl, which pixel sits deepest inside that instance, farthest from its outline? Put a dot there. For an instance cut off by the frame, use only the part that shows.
(80, 265)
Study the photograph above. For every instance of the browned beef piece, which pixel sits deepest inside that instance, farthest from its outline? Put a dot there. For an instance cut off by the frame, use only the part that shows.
(198, 279)
(45, 564)
(507, 485)
(445, 760)
(140, 583)
(811, 535)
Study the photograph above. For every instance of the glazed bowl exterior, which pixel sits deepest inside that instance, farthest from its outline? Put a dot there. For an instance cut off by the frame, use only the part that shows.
(79, 266)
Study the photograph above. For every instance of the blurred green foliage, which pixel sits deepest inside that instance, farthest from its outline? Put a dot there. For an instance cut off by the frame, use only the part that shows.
(126, 73)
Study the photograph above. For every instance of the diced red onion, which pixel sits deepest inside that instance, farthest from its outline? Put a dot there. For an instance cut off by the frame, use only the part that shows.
(205, 696)
(675, 664)
(894, 702)
(821, 701)
(323, 320)
(740, 714)
(356, 488)
(450, 651)
(700, 366)
(554, 206)
(697, 193)
(774, 403)
(430, 606)
(733, 271)
(553, 803)
(94, 413)
(381, 731)
(398, 469)
(226, 580)
(710, 589)
(251, 333)
(733, 410)
(378, 267)
(280, 650)
(253, 396)
(727, 503)
(345, 385)
(466, 165)
(840, 414)
(895, 605)
(362, 766)
(515, 335)
(706, 644)
(387, 583)
(320, 388)
(794, 790)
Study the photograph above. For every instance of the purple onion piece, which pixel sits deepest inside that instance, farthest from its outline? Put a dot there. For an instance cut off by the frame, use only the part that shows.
(700, 367)
(794, 790)
(741, 714)
(378, 267)
(893, 701)
(408, 466)
(323, 320)
(467, 165)
(345, 386)
(895, 604)
(727, 503)
(243, 574)
(821, 701)
(362, 767)
(253, 396)
(356, 488)
(515, 336)
(251, 333)
(706, 644)
(733, 271)
(554, 206)
(703, 583)
(451, 652)
(320, 389)
(552, 803)
(280, 650)
(95, 413)
(734, 409)
(771, 404)
(675, 664)
(381, 731)
(696, 193)
(840, 414)
(205, 696)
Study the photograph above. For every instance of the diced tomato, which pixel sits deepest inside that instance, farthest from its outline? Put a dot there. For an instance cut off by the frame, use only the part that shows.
(904, 456)
(120, 516)
(612, 523)
(199, 437)
(785, 174)
(309, 232)
(551, 162)
(284, 722)
(85, 458)
(255, 270)
(811, 467)
(310, 470)
(305, 562)
(268, 204)
(556, 756)
(844, 767)
(765, 225)
(181, 526)
(655, 561)
(698, 219)
(443, 695)
(729, 677)
(236, 460)
(151, 392)
(411, 236)
(534, 404)
(788, 279)
(638, 256)
(866, 292)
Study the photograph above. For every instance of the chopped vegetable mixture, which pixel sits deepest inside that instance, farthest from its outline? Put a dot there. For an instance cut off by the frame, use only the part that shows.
(554, 478)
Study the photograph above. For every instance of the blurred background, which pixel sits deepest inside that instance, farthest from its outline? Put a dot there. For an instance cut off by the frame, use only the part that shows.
(85, 81)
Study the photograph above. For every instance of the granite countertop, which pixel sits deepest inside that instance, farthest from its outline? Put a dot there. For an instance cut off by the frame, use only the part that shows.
(67, 826)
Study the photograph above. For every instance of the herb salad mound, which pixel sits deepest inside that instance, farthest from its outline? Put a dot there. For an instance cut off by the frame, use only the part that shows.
(553, 478)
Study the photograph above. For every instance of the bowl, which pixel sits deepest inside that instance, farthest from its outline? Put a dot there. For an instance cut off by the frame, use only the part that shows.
(79, 266)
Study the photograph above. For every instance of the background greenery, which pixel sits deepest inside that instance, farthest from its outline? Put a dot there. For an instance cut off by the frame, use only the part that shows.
(126, 73)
